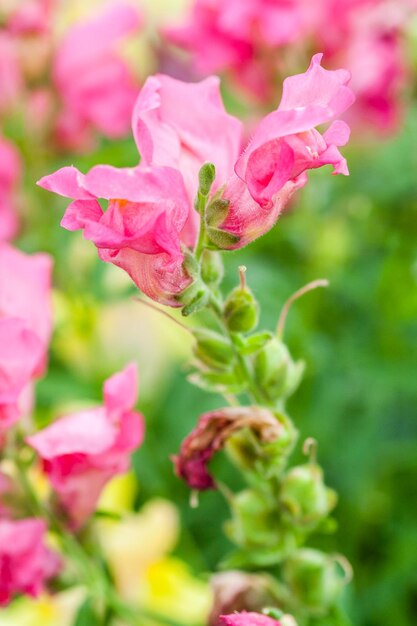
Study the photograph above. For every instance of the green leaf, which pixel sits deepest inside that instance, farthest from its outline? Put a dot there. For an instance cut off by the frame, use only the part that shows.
(255, 342)
(217, 382)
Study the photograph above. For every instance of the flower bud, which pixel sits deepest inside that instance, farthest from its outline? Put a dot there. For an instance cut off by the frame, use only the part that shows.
(265, 458)
(304, 495)
(213, 349)
(275, 371)
(241, 311)
(211, 267)
(206, 177)
(314, 579)
(257, 528)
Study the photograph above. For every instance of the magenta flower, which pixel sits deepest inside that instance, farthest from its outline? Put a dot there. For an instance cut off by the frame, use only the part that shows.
(142, 229)
(96, 86)
(247, 619)
(26, 563)
(25, 293)
(9, 177)
(82, 451)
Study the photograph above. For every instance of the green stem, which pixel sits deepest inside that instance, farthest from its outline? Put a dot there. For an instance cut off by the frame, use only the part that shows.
(201, 208)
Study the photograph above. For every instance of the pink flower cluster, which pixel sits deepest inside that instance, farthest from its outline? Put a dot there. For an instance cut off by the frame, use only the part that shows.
(25, 328)
(178, 127)
(89, 88)
(82, 451)
(255, 40)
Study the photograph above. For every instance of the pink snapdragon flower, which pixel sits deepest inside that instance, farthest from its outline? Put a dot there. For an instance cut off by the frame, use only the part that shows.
(142, 229)
(25, 293)
(96, 86)
(10, 168)
(284, 146)
(26, 563)
(184, 125)
(247, 619)
(82, 451)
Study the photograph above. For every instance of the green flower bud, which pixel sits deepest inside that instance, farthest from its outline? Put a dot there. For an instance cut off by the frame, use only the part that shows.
(241, 310)
(275, 371)
(212, 269)
(315, 579)
(304, 495)
(213, 349)
(206, 177)
(257, 529)
(264, 459)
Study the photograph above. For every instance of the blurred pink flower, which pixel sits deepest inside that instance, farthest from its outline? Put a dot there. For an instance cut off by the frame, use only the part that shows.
(367, 37)
(31, 17)
(141, 231)
(240, 37)
(82, 451)
(184, 125)
(11, 79)
(25, 293)
(247, 619)
(284, 145)
(25, 561)
(9, 176)
(20, 354)
(95, 84)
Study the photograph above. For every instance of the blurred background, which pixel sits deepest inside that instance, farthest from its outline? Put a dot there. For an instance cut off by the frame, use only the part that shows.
(358, 338)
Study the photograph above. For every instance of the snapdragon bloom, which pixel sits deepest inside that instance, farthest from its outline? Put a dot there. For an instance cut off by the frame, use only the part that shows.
(142, 229)
(183, 125)
(96, 86)
(284, 146)
(26, 563)
(9, 176)
(82, 451)
(247, 619)
(178, 127)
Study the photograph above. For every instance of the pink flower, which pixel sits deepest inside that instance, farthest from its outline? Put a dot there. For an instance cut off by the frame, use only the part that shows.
(20, 354)
(241, 37)
(367, 37)
(184, 125)
(95, 84)
(9, 177)
(82, 451)
(25, 561)
(247, 619)
(284, 145)
(142, 229)
(25, 293)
